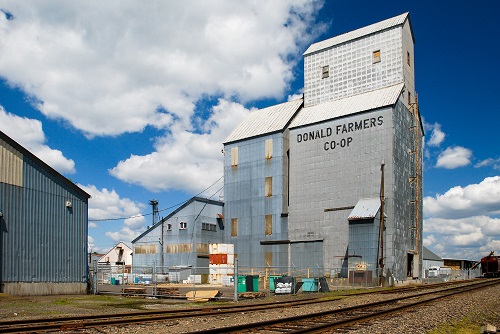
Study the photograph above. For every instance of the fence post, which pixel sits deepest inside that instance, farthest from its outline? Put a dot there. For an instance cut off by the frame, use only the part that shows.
(95, 278)
(153, 279)
(236, 280)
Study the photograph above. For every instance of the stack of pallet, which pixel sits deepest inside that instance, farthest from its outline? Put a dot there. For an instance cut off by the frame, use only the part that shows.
(221, 257)
(167, 291)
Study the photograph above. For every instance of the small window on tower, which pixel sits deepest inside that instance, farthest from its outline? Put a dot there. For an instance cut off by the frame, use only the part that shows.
(269, 225)
(325, 72)
(234, 156)
(409, 99)
(183, 226)
(408, 58)
(376, 56)
(269, 186)
(169, 227)
(234, 227)
(269, 149)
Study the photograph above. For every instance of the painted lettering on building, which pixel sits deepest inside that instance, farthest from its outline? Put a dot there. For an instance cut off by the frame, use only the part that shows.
(340, 130)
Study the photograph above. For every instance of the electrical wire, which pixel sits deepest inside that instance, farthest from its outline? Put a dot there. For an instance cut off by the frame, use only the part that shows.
(170, 207)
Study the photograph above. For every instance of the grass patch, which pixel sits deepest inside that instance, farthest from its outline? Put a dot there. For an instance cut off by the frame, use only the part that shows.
(463, 326)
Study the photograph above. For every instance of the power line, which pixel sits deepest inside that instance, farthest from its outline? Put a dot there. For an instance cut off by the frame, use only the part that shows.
(170, 207)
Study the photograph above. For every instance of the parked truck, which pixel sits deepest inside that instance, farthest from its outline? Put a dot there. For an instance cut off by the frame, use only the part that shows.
(440, 272)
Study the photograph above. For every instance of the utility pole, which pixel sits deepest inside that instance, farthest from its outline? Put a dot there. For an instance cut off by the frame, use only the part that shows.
(154, 204)
(382, 226)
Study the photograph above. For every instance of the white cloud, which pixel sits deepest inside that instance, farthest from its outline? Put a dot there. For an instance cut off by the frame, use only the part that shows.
(437, 136)
(29, 133)
(126, 234)
(107, 204)
(294, 97)
(117, 66)
(466, 238)
(495, 163)
(463, 221)
(189, 161)
(429, 240)
(472, 200)
(454, 157)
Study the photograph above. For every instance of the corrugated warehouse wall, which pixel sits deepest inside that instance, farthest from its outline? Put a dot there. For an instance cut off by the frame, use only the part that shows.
(44, 226)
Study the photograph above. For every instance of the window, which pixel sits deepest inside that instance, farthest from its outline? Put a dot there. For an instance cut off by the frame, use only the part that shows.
(268, 258)
(234, 157)
(269, 186)
(376, 56)
(325, 72)
(408, 58)
(234, 227)
(409, 98)
(169, 227)
(208, 227)
(269, 149)
(269, 225)
(183, 226)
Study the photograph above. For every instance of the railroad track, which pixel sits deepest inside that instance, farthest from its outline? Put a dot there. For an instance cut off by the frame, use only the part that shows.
(332, 320)
(81, 322)
(170, 317)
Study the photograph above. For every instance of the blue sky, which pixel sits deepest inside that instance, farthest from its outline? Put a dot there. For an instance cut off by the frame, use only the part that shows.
(132, 100)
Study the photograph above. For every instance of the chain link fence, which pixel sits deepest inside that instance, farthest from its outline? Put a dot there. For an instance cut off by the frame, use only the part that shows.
(229, 282)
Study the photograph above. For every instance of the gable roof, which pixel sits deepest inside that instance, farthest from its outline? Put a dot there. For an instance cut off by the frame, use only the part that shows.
(264, 121)
(42, 164)
(121, 243)
(428, 255)
(358, 33)
(350, 105)
(173, 213)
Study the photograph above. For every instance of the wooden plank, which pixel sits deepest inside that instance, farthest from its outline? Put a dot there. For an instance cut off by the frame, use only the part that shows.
(202, 295)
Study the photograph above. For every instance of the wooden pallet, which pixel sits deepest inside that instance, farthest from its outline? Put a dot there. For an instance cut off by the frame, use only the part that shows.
(167, 291)
(134, 291)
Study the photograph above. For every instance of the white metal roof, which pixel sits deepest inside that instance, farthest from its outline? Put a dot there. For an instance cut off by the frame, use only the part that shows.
(392, 22)
(266, 120)
(350, 105)
(365, 208)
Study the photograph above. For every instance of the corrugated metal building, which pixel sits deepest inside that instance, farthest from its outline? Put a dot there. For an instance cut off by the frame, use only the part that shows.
(44, 218)
(181, 239)
(316, 200)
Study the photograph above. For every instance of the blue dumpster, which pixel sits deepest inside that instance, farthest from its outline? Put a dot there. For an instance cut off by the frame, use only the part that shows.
(310, 285)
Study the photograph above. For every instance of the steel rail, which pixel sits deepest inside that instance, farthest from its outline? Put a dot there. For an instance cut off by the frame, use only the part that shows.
(311, 320)
(79, 322)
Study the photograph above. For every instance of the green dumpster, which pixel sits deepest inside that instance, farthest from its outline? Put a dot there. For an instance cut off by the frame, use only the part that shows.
(252, 282)
(242, 284)
(272, 284)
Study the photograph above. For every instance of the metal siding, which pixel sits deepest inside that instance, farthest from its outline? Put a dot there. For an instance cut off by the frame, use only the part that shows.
(264, 121)
(358, 33)
(181, 247)
(244, 192)
(44, 241)
(347, 106)
(11, 165)
(324, 179)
